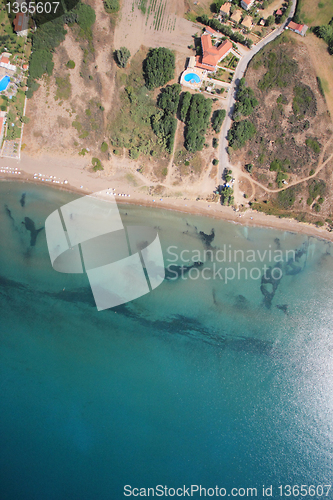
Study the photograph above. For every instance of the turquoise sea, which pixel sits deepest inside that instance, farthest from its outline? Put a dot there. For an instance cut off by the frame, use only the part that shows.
(197, 383)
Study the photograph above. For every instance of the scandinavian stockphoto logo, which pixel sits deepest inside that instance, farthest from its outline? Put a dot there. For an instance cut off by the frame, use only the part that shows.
(122, 263)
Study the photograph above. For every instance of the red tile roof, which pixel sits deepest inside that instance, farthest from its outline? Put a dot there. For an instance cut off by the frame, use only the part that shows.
(247, 2)
(18, 21)
(294, 26)
(211, 54)
(279, 12)
(5, 59)
(213, 32)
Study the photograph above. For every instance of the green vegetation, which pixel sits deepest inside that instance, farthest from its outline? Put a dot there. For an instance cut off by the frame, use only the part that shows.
(185, 104)
(97, 165)
(270, 20)
(48, 36)
(111, 6)
(280, 68)
(163, 123)
(217, 119)
(245, 101)
(122, 56)
(286, 198)
(227, 196)
(85, 16)
(197, 122)
(240, 133)
(63, 88)
(277, 166)
(320, 86)
(326, 33)
(15, 116)
(304, 101)
(131, 127)
(317, 188)
(70, 64)
(104, 147)
(215, 162)
(313, 144)
(159, 67)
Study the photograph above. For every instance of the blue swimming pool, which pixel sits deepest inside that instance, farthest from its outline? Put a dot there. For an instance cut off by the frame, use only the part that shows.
(192, 78)
(4, 82)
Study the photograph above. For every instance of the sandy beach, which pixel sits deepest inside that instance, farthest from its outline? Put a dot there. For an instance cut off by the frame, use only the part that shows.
(81, 180)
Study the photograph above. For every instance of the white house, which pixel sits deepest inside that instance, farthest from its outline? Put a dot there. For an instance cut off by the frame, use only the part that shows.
(247, 4)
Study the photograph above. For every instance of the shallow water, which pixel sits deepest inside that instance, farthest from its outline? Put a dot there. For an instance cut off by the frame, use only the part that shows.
(199, 382)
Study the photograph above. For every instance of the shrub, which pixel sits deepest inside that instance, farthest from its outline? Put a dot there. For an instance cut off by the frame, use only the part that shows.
(215, 161)
(97, 165)
(70, 64)
(104, 147)
(111, 6)
(313, 144)
(122, 56)
(165, 171)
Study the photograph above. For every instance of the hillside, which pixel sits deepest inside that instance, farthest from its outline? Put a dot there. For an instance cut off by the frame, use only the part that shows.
(293, 129)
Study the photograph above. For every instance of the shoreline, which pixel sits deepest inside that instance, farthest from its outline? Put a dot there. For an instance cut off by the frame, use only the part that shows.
(182, 204)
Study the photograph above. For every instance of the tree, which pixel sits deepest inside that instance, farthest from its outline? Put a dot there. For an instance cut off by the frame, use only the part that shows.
(240, 133)
(185, 104)
(217, 120)
(163, 123)
(40, 63)
(122, 56)
(159, 67)
(270, 20)
(197, 121)
(168, 99)
(111, 6)
(86, 15)
(218, 4)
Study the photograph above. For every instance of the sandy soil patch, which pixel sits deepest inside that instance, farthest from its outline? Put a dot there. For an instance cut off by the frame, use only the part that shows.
(322, 62)
(164, 27)
(277, 4)
(77, 176)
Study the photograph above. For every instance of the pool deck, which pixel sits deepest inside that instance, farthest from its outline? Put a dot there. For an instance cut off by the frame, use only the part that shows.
(193, 85)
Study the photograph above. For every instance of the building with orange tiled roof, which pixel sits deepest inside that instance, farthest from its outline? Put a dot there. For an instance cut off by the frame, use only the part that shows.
(301, 29)
(4, 62)
(212, 55)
